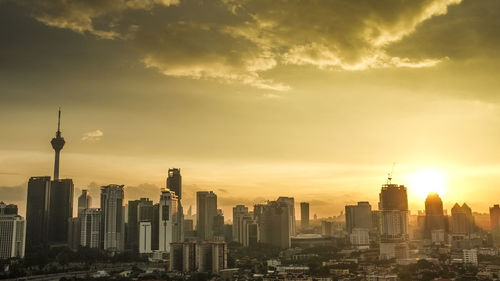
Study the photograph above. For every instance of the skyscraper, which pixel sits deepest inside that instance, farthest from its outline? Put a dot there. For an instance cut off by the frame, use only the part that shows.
(274, 223)
(304, 214)
(206, 210)
(495, 224)
(61, 210)
(58, 144)
(112, 218)
(239, 211)
(218, 226)
(12, 236)
(138, 211)
(90, 225)
(290, 202)
(393, 206)
(168, 220)
(434, 216)
(37, 213)
(84, 201)
(358, 216)
(174, 181)
(462, 221)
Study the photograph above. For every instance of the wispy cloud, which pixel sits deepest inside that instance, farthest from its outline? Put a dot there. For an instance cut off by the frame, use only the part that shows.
(92, 136)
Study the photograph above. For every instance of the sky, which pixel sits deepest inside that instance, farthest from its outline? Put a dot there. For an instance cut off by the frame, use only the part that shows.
(254, 99)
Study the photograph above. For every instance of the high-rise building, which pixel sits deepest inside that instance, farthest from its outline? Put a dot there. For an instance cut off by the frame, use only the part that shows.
(209, 257)
(144, 237)
(90, 225)
(462, 221)
(57, 144)
(206, 210)
(168, 220)
(274, 223)
(495, 216)
(358, 216)
(218, 226)
(394, 211)
(183, 257)
(174, 181)
(155, 228)
(60, 211)
(84, 201)
(304, 214)
(112, 218)
(434, 215)
(495, 224)
(37, 213)
(74, 233)
(9, 209)
(138, 211)
(174, 184)
(290, 202)
(239, 211)
(393, 206)
(12, 236)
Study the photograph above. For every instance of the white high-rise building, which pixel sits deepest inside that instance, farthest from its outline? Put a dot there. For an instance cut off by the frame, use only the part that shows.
(168, 224)
(90, 224)
(12, 236)
(112, 218)
(145, 237)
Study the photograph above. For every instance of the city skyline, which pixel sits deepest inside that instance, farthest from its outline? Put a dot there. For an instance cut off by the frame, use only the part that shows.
(312, 111)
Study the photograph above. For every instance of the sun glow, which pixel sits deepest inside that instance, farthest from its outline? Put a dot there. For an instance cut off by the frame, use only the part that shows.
(426, 181)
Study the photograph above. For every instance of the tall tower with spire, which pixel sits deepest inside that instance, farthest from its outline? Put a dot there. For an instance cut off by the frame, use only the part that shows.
(57, 144)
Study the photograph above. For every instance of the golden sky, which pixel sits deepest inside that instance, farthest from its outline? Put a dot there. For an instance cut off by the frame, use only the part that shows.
(254, 98)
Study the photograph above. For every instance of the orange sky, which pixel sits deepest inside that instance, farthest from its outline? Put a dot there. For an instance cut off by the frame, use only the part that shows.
(254, 99)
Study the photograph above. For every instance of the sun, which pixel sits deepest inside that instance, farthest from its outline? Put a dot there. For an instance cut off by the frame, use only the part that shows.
(428, 180)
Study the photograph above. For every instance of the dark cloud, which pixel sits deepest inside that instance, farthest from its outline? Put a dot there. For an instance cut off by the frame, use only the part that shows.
(13, 194)
(242, 40)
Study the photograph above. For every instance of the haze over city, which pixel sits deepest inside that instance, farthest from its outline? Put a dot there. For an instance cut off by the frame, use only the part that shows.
(252, 103)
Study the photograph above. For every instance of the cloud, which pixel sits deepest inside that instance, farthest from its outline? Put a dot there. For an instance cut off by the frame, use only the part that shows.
(243, 41)
(13, 194)
(92, 136)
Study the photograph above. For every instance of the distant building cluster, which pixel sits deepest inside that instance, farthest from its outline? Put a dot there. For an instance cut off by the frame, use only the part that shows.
(198, 242)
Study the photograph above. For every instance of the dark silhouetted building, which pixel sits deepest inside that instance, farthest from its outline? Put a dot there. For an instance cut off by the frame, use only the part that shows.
(393, 207)
(495, 224)
(290, 202)
(84, 201)
(434, 215)
(462, 221)
(138, 211)
(90, 225)
(304, 214)
(60, 211)
(358, 216)
(174, 181)
(218, 226)
(274, 223)
(37, 213)
(9, 209)
(206, 210)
